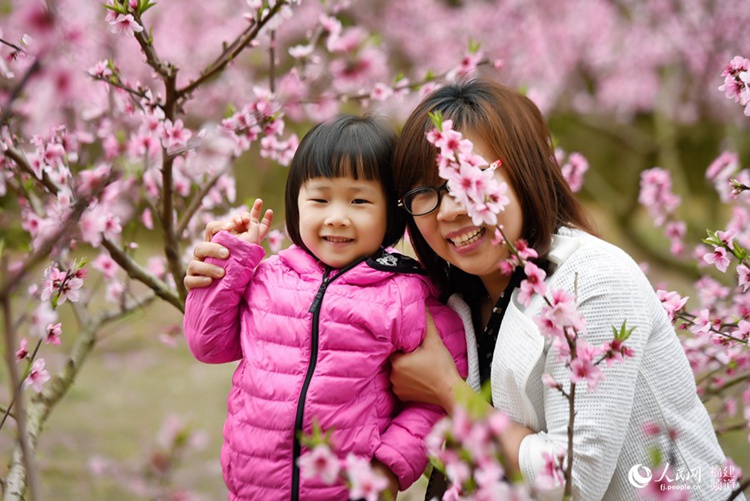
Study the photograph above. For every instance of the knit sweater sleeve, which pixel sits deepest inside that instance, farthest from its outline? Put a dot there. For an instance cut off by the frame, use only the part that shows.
(213, 313)
(402, 443)
(611, 289)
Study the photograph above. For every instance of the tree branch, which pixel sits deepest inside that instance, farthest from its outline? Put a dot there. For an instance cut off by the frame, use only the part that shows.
(232, 50)
(56, 389)
(136, 272)
(195, 203)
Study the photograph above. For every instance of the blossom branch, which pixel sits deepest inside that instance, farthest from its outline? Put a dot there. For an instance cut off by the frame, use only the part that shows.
(197, 200)
(32, 475)
(136, 272)
(20, 159)
(231, 51)
(35, 67)
(42, 405)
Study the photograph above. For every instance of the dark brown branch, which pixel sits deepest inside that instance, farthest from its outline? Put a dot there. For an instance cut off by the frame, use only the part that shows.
(34, 68)
(136, 272)
(195, 203)
(20, 159)
(232, 51)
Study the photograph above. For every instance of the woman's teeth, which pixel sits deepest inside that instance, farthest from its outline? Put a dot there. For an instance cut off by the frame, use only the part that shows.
(467, 238)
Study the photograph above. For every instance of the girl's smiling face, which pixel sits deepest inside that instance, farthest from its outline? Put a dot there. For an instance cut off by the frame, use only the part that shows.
(342, 219)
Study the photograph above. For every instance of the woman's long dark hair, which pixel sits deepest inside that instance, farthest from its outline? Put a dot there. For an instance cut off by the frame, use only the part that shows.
(512, 126)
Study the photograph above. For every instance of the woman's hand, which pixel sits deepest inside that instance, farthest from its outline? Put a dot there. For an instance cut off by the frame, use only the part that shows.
(391, 491)
(427, 374)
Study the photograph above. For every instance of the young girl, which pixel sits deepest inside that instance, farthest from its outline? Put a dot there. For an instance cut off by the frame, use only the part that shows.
(313, 326)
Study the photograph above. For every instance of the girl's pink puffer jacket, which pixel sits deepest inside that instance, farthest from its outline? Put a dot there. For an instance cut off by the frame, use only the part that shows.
(313, 344)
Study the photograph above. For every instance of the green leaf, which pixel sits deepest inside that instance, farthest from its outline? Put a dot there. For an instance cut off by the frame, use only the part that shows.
(116, 8)
(144, 8)
(623, 333)
(474, 46)
(437, 119)
(655, 456)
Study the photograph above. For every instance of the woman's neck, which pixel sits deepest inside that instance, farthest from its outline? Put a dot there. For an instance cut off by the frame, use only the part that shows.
(495, 285)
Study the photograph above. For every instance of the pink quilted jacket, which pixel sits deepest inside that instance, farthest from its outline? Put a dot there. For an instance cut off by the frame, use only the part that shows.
(313, 344)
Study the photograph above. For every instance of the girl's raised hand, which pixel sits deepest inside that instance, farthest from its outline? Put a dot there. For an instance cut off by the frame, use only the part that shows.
(255, 230)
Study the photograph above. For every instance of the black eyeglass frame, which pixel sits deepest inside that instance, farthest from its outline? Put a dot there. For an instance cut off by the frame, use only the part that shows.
(443, 187)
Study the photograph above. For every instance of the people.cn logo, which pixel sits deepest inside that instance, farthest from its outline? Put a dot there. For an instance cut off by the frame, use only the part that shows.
(639, 476)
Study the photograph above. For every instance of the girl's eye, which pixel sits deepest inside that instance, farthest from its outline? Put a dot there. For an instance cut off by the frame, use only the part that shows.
(319, 200)
(360, 201)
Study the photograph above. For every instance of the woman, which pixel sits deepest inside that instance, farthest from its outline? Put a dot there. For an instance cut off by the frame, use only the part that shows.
(505, 346)
(655, 386)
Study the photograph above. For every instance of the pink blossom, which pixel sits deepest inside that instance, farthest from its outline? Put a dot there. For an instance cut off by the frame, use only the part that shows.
(702, 323)
(550, 382)
(743, 330)
(656, 194)
(105, 264)
(23, 350)
(125, 25)
(37, 376)
(651, 428)
(551, 475)
(42, 316)
(381, 92)
(534, 283)
(174, 135)
(275, 240)
(114, 292)
(743, 277)
(321, 463)
(498, 238)
(147, 219)
(100, 70)
(718, 258)
(562, 311)
(365, 482)
(524, 251)
(53, 334)
(574, 170)
(616, 351)
(583, 366)
(671, 302)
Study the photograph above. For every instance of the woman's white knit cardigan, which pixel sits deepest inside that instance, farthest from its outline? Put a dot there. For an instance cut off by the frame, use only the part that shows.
(656, 386)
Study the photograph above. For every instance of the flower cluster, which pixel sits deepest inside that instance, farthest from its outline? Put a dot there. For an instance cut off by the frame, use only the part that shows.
(358, 474)
(736, 84)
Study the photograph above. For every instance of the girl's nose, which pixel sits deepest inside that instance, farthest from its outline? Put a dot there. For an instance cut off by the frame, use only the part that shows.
(337, 217)
(449, 209)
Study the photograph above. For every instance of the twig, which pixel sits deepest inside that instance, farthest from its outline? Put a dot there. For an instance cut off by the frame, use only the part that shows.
(136, 272)
(54, 390)
(20, 159)
(23, 432)
(34, 68)
(230, 52)
(195, 203)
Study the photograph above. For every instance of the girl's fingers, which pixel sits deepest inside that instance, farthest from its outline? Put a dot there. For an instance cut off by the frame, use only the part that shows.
(255, 211)
(265, 223)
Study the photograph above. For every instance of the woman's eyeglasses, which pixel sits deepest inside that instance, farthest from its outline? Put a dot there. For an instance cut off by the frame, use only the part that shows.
(425, 199)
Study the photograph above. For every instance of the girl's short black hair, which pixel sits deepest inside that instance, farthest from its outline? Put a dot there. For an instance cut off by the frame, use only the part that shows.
(346, 145)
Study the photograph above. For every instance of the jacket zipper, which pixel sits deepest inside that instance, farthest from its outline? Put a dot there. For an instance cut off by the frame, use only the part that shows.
(299, 421)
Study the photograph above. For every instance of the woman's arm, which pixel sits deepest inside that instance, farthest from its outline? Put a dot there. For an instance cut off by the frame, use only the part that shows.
(429, 375)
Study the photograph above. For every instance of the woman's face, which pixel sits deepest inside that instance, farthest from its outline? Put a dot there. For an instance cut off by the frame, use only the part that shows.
(450, 232)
